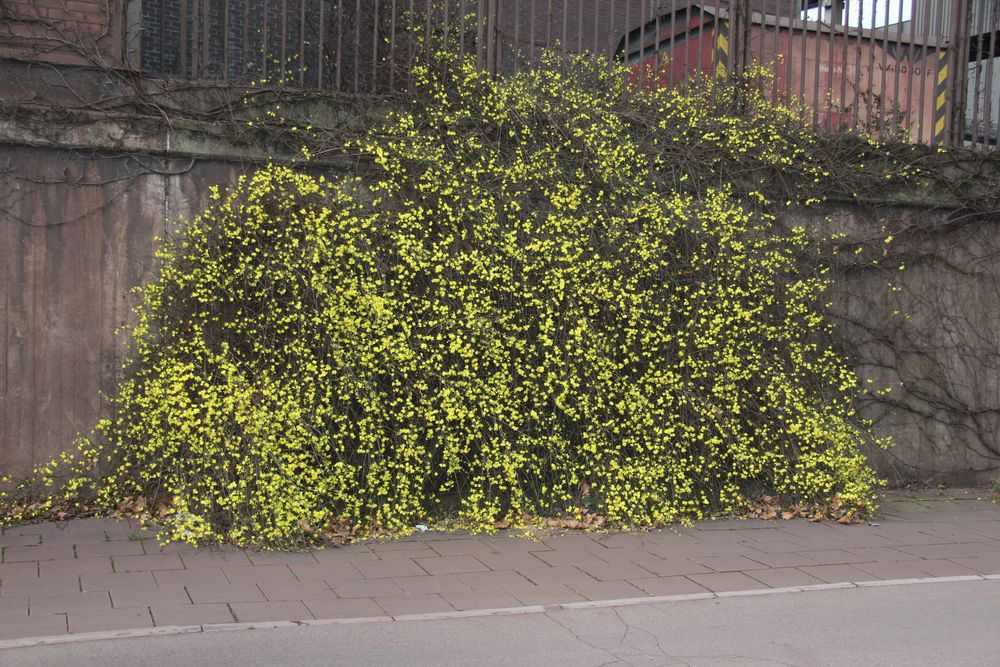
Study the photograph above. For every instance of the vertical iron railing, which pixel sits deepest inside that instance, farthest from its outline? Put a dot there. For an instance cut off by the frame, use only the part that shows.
(922, 69)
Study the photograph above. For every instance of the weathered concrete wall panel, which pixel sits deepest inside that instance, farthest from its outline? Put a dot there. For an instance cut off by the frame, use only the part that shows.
(919, 311)
(76, 234)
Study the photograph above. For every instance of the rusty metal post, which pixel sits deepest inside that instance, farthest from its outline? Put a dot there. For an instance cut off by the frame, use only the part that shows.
(741, 37)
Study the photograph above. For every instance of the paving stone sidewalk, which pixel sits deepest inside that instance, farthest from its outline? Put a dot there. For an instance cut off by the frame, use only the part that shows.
(101, 575)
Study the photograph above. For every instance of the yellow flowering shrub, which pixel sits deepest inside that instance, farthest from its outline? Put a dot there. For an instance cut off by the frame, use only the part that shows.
(525, 301)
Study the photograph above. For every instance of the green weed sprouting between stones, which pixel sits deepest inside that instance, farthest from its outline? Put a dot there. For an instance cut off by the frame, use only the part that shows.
(546, 283)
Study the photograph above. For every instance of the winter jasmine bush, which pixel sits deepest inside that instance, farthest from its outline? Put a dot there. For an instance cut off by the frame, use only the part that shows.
(544, 289)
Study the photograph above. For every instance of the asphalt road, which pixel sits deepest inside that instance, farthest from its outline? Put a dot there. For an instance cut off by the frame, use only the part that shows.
(919, 624)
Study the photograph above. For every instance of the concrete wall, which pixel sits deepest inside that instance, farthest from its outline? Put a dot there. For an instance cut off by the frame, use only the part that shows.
(76, 234)
(77, 230)
(930, 332)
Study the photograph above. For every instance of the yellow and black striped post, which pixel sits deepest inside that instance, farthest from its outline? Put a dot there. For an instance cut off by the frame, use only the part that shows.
(721, 47)
(941, 100)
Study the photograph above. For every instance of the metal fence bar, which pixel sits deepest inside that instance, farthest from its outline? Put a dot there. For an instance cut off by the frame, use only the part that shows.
(804, 34)
(565, 24)
(916, 80)
(340, 39)
(225, 39)
(779, 61)
(263, 44)
(531, 6)
(959, 50)
(492, 37)
(845, 37)
(548, 24)
(698, 48)
(357, 47)
(924, 38)
(830, 63)
(517, 36)
(859, 41)
(993, 26)
(819, 45)
(790, 41)
(205, 36)
(183, 36)
(642, 45)
(627, 29)
(302, 43)
(284, 39)
(461, 28)
(979, 27)
(871, 69)
(246, 35)
(392, 46)
(903, 112)
(882, 97)
(480, 33)
(374, 68)
(671, 46)
(320, 63)
(597, 19)
(498, 14)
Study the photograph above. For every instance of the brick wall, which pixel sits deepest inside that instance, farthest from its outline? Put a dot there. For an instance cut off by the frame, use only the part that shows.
(63, 31)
